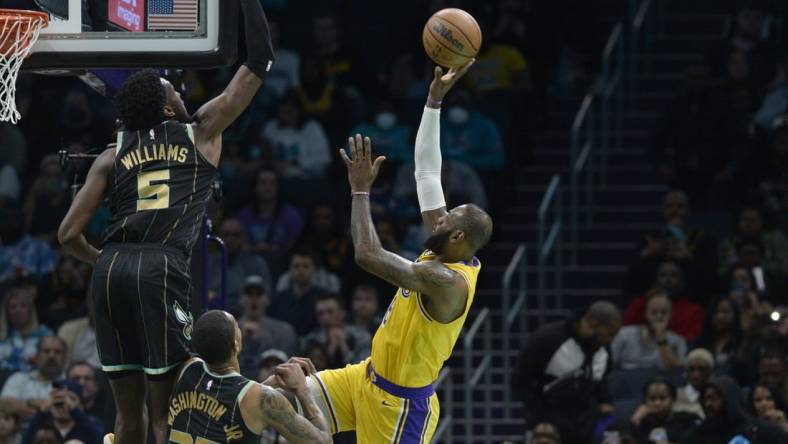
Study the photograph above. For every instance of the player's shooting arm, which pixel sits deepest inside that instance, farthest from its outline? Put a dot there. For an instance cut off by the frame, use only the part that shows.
(84, 207)
(279, 414)
(215, 116)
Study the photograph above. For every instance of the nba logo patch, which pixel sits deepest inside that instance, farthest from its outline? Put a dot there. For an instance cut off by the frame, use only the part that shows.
(152, 134)
(405, 293)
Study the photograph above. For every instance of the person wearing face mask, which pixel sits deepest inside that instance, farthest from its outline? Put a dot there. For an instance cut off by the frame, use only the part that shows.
(655, 420)
(652, 344)
(562, 375)
(392, 138)
(469, 137)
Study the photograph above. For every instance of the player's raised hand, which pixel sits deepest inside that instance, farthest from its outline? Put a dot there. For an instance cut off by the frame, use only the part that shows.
(290, 377)
(361, 169)
(442, 83)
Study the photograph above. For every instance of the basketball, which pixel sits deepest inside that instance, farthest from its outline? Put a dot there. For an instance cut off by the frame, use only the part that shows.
(452, 37)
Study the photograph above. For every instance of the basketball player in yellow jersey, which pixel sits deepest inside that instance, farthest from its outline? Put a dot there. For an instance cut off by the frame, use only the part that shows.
(390, 398)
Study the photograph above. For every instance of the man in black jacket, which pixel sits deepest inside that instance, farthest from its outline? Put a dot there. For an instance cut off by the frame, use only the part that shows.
(563, 371)
(726, 421)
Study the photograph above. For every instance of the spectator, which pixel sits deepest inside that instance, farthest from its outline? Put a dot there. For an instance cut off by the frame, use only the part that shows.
(260, 331)
(322, 99)
(392, 138)
(621, 431)
(267, 362)
(700, 365)
(308, 267)
(28, 391)
(652, 344)
(775, 104)
(461, 182)
(545, 433)
(64, 411)
(20, 254)
(62, 298)
(767, 404)
(725, 419)
(563, 372)
(341, 64)
(80, 338)
(47, 201)
(655, 419)
(19, 330)
(768, 176)
(296, 304)
(773, 370)
(9, 425)
(240, 263)
(93, 402)
(345, 343)
(318, 354)
(326, 236)
(469, 137)
(366, 314)
(284, 74)
(723, 334)
(678, 241)
(771, 285)
(300, 146)
(751, 226)
(747, 37)
(271, 225)
(686, 317)
(47, 434)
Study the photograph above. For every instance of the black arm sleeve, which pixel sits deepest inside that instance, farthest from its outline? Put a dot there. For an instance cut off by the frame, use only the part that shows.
(259, 50)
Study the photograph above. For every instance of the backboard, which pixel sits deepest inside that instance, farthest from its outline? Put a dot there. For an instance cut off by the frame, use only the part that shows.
(91, 34)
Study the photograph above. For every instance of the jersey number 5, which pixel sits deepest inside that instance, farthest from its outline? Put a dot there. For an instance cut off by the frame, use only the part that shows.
(185, 438)
(154, 193)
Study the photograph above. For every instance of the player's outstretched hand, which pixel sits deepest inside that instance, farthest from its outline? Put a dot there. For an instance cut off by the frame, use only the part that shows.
(361, 169)
(305, 363)
(442, 83)
(291, 377)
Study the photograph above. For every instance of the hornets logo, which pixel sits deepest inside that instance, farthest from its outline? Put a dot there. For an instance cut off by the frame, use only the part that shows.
(184, 318)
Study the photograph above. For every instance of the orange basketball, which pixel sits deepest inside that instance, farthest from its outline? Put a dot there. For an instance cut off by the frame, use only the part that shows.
(452, 37)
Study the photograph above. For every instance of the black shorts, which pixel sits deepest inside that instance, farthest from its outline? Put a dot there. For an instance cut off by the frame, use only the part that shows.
(142, 307)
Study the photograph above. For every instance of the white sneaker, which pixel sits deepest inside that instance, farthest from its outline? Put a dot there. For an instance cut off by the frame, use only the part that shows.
(109, 438)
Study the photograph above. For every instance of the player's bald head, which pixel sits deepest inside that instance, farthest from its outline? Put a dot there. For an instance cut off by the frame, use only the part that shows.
(476, 224)
(214, 337)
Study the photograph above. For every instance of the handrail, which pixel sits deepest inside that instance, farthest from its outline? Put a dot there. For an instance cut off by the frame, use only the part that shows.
(511, 312)
(547, 242)
(446, 423)
(640, 22)
(583, 126)
(612, 73)
(472, 376)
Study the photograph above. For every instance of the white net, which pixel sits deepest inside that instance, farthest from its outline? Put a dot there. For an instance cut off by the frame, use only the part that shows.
(18, 32)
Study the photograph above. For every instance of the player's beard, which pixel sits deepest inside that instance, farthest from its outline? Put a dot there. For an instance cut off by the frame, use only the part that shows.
(437, 242)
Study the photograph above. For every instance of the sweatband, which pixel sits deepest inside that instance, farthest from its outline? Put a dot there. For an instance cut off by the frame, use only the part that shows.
(428, 161)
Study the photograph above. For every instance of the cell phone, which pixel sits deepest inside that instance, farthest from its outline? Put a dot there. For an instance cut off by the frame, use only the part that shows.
(611, 438)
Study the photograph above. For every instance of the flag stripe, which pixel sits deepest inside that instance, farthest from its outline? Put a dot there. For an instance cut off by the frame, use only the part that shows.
(178, 15)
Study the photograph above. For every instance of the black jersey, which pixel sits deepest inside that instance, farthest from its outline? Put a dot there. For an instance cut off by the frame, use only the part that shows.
(159, 187)
(204, 408)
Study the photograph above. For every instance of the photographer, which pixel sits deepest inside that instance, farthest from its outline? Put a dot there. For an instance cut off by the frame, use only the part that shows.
(63, 409)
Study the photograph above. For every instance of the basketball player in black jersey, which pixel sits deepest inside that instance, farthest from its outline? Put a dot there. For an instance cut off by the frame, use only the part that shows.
(212, 403)
(158, 179)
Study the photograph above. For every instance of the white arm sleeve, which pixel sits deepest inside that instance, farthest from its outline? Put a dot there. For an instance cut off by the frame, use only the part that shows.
(428, 161)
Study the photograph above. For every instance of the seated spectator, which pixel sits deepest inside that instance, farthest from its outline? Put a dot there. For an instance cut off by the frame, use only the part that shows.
(751, 226)
(723, 335)
(27, 392)
(296, 304)
(272, 226)
(300, 146)
(469, 137)
(47, 201)
(9, 425)
(284, 74)
(686, 317)
(620, 431)
(80, 338)
(47, 434)
(655, 419)
(305, 269)
(563, 372)
(63, 297)
(775, 103)
(260, 331)
(700, 365)
(679, 242)
(768, 177)
(392, 138)
(240, 263)
(767, 404)
(318, 354)
(267, 362)
(747, 36)
(461, 184)
(21, 255)
(772, 369)
(345, 343)
(545, 433)
(771, 285)
(725, 419)
(64, 411)
(329, 238)
(93, 402)
(19, 330)
(366, 314)
(652, 344)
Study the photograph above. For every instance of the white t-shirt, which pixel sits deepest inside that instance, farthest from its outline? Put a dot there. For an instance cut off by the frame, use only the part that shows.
(26, 386)
(304, 151)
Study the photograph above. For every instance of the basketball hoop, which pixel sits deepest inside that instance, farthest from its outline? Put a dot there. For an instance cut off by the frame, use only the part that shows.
(18, 32)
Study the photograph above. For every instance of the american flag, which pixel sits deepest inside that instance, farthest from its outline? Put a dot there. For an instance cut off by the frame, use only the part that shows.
(172, 15)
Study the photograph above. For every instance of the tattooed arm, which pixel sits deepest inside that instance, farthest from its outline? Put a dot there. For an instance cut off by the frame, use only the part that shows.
(279, 414)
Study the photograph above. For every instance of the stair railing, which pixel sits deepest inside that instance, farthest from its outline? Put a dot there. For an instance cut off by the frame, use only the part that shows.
(583, 136)
(641, 30)
(473, 374)
(611, 87)
(512, 313)
(550, 238)
(446, 423)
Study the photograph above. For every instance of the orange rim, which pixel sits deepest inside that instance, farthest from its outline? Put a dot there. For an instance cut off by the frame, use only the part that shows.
(20, 14)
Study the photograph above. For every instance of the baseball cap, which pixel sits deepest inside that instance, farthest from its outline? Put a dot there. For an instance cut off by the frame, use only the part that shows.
(273, 356)
(780, 122)
(254, 281)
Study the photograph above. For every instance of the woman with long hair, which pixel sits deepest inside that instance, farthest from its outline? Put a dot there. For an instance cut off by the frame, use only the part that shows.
(723, 333)
(19, 330)
(767, 404)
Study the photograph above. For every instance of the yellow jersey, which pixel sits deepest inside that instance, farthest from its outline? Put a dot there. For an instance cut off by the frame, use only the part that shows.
(410, 347)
